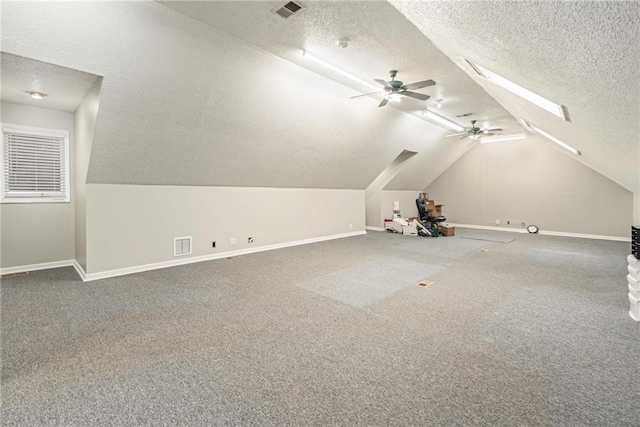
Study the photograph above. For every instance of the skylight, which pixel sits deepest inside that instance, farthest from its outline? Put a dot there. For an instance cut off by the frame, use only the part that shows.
(556, 140)
(441, 120)
(339, 70)
(540, 101)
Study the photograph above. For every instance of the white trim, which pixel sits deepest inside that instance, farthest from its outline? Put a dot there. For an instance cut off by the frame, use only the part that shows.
(79, 270)
(164, 264)
(374, 228)
(546, 233)
(30, 196)
(634, 308)
(35, 267)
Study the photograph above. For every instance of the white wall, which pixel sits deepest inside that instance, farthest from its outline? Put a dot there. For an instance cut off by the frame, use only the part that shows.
(533, 182)
(380, 206)
(407, 199)
(85, 122)
(34, 233)
(132, 225)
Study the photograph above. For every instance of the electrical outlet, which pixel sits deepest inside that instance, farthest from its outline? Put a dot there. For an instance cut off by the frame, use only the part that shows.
(497, 222)
(350, 225)
(250, 240)
(232, 242)
(213, 244)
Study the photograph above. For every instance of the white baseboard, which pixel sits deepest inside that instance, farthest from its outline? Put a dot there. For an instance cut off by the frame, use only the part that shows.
(87, 277)
(374, 228)
(80, 270)
(546, 233)
(36, 267)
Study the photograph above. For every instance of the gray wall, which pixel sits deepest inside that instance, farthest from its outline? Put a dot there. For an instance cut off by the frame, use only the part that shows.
(34, 233)
(85, 122)
(132, 225)
(533, 182)
(380, 206)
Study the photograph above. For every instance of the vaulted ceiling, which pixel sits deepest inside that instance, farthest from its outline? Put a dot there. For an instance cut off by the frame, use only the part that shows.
(218, 93)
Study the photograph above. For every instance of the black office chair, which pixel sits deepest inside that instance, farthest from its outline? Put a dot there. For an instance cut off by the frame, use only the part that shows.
(428, 221)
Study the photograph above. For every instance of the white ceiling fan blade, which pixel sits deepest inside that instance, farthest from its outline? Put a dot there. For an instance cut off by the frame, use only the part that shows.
(384, 83)
(416, 95)
(457, 134)
(383, 102)
(366, 94)
(419, 85)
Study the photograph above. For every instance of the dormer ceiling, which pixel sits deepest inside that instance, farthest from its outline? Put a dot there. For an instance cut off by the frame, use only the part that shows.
(64, 88)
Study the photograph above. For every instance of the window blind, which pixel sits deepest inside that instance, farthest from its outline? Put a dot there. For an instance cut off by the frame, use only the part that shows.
(34, 165)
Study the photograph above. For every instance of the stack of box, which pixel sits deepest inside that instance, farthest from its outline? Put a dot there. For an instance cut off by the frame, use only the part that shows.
(436, 210)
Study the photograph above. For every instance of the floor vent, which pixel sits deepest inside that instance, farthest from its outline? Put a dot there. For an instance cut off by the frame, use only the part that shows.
(182, 246)
(289, 9)
(425, 283)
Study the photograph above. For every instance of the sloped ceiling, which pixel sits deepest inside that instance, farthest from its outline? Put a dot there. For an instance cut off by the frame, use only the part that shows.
(583, 54)
(230, 101)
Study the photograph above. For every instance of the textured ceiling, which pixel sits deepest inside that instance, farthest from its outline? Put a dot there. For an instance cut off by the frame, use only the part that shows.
(64, 87)
(380, 39)
(583, 55)
(184, 104)
(231, 101)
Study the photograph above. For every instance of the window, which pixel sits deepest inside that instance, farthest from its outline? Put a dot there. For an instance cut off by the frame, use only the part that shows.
(35, 165)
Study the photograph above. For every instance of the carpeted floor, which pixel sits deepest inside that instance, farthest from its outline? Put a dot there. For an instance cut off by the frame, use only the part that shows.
(533, 332)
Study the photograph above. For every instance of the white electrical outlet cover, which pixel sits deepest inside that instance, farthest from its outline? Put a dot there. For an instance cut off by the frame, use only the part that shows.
(232, 242)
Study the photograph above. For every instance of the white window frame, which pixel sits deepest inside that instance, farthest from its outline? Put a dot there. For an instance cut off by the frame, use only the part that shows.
(32, 196)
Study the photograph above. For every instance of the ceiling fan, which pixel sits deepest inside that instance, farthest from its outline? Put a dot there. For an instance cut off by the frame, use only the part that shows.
(395, 89)
(475, 132)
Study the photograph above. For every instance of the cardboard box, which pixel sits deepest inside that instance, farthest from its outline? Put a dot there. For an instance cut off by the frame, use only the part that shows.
(430, 205)
(447, 231)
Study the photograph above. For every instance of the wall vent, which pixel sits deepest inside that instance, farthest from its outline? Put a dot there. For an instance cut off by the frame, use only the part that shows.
(289, 9)
(181, 246)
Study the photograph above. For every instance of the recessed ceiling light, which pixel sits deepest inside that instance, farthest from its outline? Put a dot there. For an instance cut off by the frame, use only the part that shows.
(556, 140)
(340, 71)
(538, 100)
(502, 138)
(441, 120)
(36, 95)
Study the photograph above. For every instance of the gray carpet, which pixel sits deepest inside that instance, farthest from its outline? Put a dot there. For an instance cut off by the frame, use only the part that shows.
(535, 332)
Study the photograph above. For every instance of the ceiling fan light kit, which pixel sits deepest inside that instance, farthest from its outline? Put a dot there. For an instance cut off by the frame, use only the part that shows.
(396, 89)
(475, 132)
